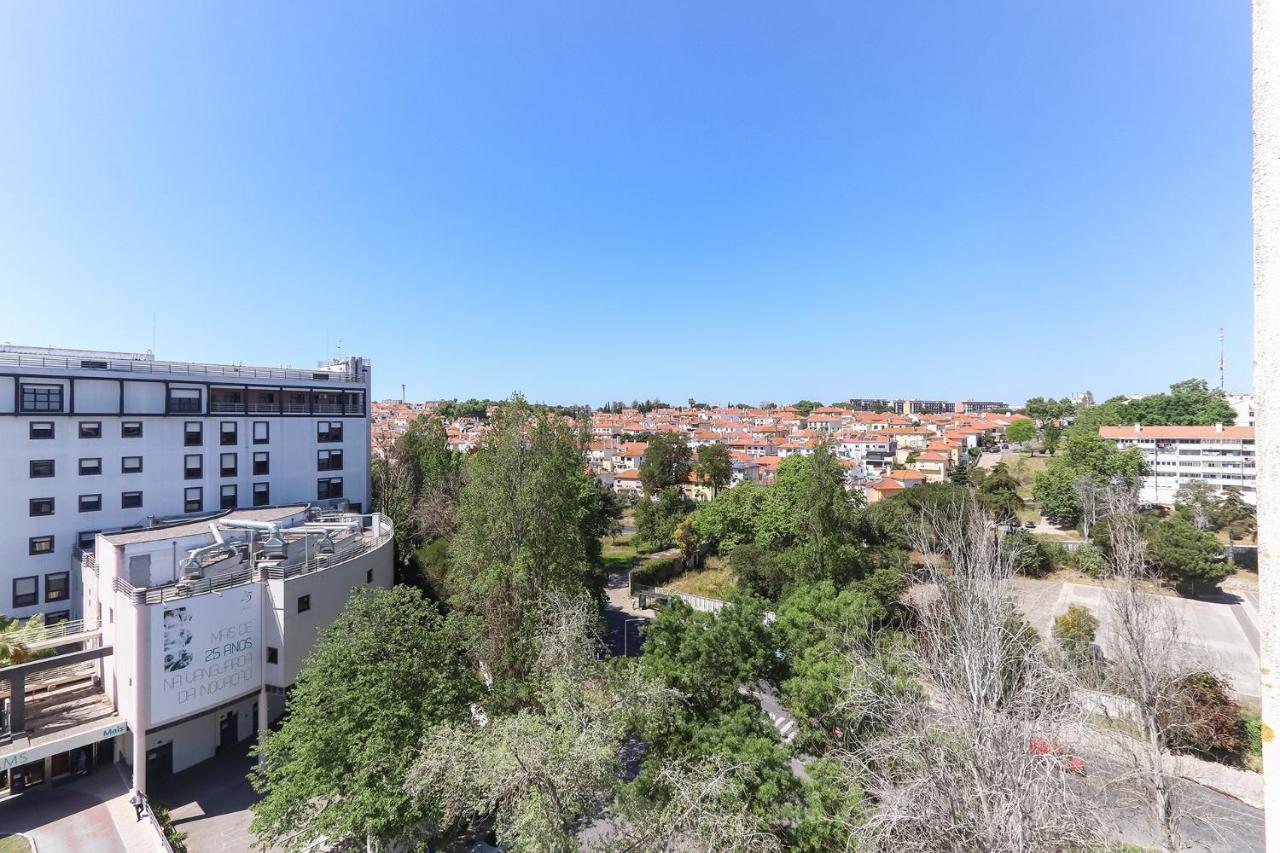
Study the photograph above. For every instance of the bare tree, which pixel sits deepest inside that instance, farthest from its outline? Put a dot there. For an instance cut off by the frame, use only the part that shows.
(1145, 665)
(1090, 497)
(968, 760)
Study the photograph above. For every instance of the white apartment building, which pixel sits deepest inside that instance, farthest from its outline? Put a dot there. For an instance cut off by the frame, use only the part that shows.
(1219, 455)
(193, 631)
(94, 441)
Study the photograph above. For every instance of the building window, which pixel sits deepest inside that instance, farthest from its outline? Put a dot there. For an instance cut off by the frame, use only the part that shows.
(57, 586)
(57, 616)
(41, 506)
(130, 464)
(193, 499)
(227, 464)
(261, 432)
(41, 398)
(227, 497)
(130, 500)
(41, 468)
(261, 463)
(184, 400)
(368, 575)
(304, 603)
(273, 654)
(40, 545)
(91, 429)
(87, 540)
(131, 429)
(90, 503)
(193, 434)
(41, 429)
(193, 466)
(261, 494)
(329, 431)
(328, 488)
(329, 460)
(26, 591)
(228, 433)
(90, 466)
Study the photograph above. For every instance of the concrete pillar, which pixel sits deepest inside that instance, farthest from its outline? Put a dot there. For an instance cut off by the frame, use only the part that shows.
(1266, 378)
(141, 709)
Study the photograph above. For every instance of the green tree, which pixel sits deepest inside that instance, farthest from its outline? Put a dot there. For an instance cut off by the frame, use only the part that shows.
(437, 472)
(380, 676)
(960, 474)
(1196, 501)
(1237, 517)
(666, 462)
(805, 407)
(529, 525)
(998, 493)
(714, 466)
(657, 518)
(1050, 436)
(1183, 553)
(1048, 409)
(1075, 631)
(809, 508)
(731, 518)
(1019, 431)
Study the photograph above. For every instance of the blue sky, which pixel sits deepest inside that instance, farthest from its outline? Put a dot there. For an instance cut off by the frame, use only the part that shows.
(589, 201)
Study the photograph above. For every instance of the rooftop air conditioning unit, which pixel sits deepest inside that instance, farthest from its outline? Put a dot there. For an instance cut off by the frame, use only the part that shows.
(273, 548)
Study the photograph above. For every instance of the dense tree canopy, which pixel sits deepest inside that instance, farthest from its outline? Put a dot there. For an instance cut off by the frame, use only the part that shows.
(381, 675)
(714, 466)
(666, 462)
(1019, 431)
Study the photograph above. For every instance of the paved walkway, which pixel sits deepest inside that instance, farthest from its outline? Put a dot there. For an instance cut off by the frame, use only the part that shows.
(88, 815)
(210, 802)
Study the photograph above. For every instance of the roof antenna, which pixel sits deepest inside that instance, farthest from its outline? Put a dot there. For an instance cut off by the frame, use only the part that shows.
(1222, 364)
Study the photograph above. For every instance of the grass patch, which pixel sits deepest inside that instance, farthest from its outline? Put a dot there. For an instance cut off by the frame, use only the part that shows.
(1023, 467)
(713, 581)
(14, 844)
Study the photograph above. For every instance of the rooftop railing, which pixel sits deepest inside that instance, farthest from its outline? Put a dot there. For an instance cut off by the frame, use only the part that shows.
(170, 368)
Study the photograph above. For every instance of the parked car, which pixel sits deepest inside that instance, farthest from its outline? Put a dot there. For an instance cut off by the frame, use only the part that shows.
(1030, 525)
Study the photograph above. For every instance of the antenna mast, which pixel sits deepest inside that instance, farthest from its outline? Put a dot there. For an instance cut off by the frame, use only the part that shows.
(1222, 364)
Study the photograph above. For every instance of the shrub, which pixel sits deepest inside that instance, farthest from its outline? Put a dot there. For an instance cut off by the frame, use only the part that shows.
(657, 572)
(1206, 721)
(1075, 630)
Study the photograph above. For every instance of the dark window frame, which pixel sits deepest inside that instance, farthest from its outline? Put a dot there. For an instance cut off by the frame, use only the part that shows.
(97, 508)
(36, 429)
(261, 467)
(188, 502)
(263, 489)
(325, 488)
(266, 432)
(66, 587)
(40, 398)
(35, 466)
(223, 470)
(328, 432)
(33, 502)
(125, 470)
(222, 496)
(90, 473)
(27, 599)
(304, 603)
(187, 434)
(131, 429)
(33, 551)
(95, 429)
(127, 500)
(223, 433)
(273, 655)
(180, 401)
(326, 462)
(87, 540)
(196, 473)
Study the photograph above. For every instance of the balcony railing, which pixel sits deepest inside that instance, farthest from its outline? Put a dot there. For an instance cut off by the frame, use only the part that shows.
(172, 368)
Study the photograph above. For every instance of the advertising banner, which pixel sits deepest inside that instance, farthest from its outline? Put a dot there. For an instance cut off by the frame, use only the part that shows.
(205, 650)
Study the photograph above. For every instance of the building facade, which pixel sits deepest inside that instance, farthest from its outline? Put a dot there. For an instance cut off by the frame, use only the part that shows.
(193, 632)
(1219, 455)
(94, 441)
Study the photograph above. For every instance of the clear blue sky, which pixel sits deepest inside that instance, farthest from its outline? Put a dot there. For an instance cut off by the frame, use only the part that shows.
(595, 200)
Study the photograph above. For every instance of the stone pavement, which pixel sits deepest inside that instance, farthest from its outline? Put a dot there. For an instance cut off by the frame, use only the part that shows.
(210, 802)
(88, 815)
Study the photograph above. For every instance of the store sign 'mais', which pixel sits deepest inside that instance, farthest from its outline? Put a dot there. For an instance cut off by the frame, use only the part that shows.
(204, 651)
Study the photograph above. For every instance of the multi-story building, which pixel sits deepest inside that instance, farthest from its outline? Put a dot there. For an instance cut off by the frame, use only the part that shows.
(973, 407)
(94, 441)
(192, 633)
(1219, 455)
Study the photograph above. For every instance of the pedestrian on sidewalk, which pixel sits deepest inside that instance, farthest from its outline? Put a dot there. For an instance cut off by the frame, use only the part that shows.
(139, 804)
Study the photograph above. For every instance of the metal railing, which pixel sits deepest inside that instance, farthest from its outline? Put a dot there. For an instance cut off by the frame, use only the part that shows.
(169, 368)
(46, 678)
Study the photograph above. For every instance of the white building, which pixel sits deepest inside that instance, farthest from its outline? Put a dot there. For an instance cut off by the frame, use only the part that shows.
(1219, 455)
(95, 441)
(192, 633)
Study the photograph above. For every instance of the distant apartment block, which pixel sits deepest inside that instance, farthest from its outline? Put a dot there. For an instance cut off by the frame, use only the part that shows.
(93, 441)
(902, 406)
(981, 406)
(1219, 455)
